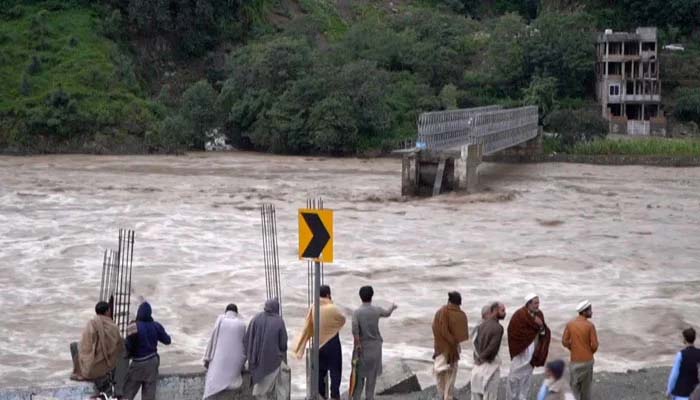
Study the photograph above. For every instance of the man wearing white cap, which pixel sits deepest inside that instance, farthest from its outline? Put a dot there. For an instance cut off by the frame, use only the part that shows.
(528, 344)
(581, 339)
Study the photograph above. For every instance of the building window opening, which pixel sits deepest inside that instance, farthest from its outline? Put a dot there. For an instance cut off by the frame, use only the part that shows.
(630, 88)
(633, 111)
(615, 109)
(648, 46)
(615, 48)
(615, 68)
(614, 90)
(651, 111)
(631, 49)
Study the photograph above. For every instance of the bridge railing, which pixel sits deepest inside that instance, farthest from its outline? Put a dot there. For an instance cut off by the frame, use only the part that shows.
(447, 129)
(491, 126)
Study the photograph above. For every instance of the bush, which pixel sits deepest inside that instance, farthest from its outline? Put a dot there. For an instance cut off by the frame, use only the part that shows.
(34, 66)
(573, 126)
(199, 110)
(688, 105)
(172, 136)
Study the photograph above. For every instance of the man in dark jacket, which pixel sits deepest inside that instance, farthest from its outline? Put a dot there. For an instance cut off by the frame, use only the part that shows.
(486, 373)
(684, 374)
(142, 346)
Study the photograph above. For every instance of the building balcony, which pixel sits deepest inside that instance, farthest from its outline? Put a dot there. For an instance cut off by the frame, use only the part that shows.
(655, 98)
(620, 57)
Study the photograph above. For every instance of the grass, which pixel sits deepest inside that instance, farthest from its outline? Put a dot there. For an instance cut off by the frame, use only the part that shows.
(333, 25)
(43, 50)
(640, 147)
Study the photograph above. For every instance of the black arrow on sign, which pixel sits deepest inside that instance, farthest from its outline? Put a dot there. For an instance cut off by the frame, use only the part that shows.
(320, 236)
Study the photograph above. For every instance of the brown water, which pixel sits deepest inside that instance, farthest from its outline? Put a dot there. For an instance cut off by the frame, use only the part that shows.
(624, 237)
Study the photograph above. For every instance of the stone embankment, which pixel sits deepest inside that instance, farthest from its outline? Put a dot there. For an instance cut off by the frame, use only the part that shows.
(398, 383)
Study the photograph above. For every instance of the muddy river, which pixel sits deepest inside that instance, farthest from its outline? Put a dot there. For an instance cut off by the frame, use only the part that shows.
(627, 238)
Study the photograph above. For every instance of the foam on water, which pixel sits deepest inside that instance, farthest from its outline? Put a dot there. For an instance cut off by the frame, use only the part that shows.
(623, 237)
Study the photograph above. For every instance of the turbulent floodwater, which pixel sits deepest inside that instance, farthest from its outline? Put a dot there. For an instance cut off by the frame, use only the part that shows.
(624, 237)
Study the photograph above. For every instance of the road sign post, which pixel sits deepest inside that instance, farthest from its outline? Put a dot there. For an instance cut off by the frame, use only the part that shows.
(316, 243)
(315, 370)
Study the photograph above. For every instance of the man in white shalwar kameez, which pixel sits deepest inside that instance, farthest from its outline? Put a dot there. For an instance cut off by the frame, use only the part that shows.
(225, 355)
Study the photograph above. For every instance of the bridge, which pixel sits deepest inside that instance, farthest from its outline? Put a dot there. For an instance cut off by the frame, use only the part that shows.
(450, 146)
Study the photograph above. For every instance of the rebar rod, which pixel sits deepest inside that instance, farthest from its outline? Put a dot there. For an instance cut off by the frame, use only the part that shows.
(102, 279)
(264, 243)
(131, 266)
(117, 292)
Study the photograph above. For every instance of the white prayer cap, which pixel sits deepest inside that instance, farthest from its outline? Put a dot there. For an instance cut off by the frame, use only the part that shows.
(529, 297)
(583, 305)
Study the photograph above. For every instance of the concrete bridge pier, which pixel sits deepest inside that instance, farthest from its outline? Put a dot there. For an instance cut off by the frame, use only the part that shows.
(466, 167)
(431, 172)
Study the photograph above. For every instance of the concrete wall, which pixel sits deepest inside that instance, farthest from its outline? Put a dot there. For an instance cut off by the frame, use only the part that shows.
(174, 384)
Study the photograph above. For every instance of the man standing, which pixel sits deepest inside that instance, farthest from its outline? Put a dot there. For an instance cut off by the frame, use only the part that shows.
(450, 328)
(554, 386)
(266, 348)
(581, 339)
(330, 352)
(486, 373)
(225, 354)
(100, 347)
(684, 374)
(368, 342)
(528, 343)
(142, 346)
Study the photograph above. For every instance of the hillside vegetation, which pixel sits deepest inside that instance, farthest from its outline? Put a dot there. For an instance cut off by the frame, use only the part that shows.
(306, 76)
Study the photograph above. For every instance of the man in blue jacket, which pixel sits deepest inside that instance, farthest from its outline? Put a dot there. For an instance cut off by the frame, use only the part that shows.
(142, 347)
(684, 374)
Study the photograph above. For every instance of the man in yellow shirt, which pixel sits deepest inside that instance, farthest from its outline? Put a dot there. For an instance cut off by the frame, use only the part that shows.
(581, 339)
(330, 353)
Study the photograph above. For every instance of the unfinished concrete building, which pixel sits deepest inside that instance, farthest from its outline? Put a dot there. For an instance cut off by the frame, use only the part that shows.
(627, 82)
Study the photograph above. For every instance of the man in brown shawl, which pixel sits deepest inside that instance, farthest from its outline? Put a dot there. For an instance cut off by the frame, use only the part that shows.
(450, 328)
(101, 345)
(528, 342)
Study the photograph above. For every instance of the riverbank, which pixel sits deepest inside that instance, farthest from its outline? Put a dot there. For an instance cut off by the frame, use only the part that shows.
(598, 159)
(644, 384)
(188, 384)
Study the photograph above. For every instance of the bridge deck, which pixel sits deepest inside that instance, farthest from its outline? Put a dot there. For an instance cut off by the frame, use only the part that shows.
(495, 128)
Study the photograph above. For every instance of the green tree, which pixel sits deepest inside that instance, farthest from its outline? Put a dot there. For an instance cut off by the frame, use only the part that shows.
(199, 109)
(561, 46)
(688, 105)
(504, 63)
(333, 126)
(541, 93)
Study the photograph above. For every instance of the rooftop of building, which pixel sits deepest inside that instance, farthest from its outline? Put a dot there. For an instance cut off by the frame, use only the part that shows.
(647, 34)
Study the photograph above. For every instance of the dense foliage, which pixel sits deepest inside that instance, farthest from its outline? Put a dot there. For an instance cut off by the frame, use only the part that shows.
(304, 76)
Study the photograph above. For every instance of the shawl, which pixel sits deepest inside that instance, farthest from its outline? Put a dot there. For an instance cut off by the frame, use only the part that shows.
(332, 320)
(450, 328)
(225, 355)
(266, 341)
(523, 330)
(100, 347)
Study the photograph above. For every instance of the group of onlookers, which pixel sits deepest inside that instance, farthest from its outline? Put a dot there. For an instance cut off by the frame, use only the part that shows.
(262, 343)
